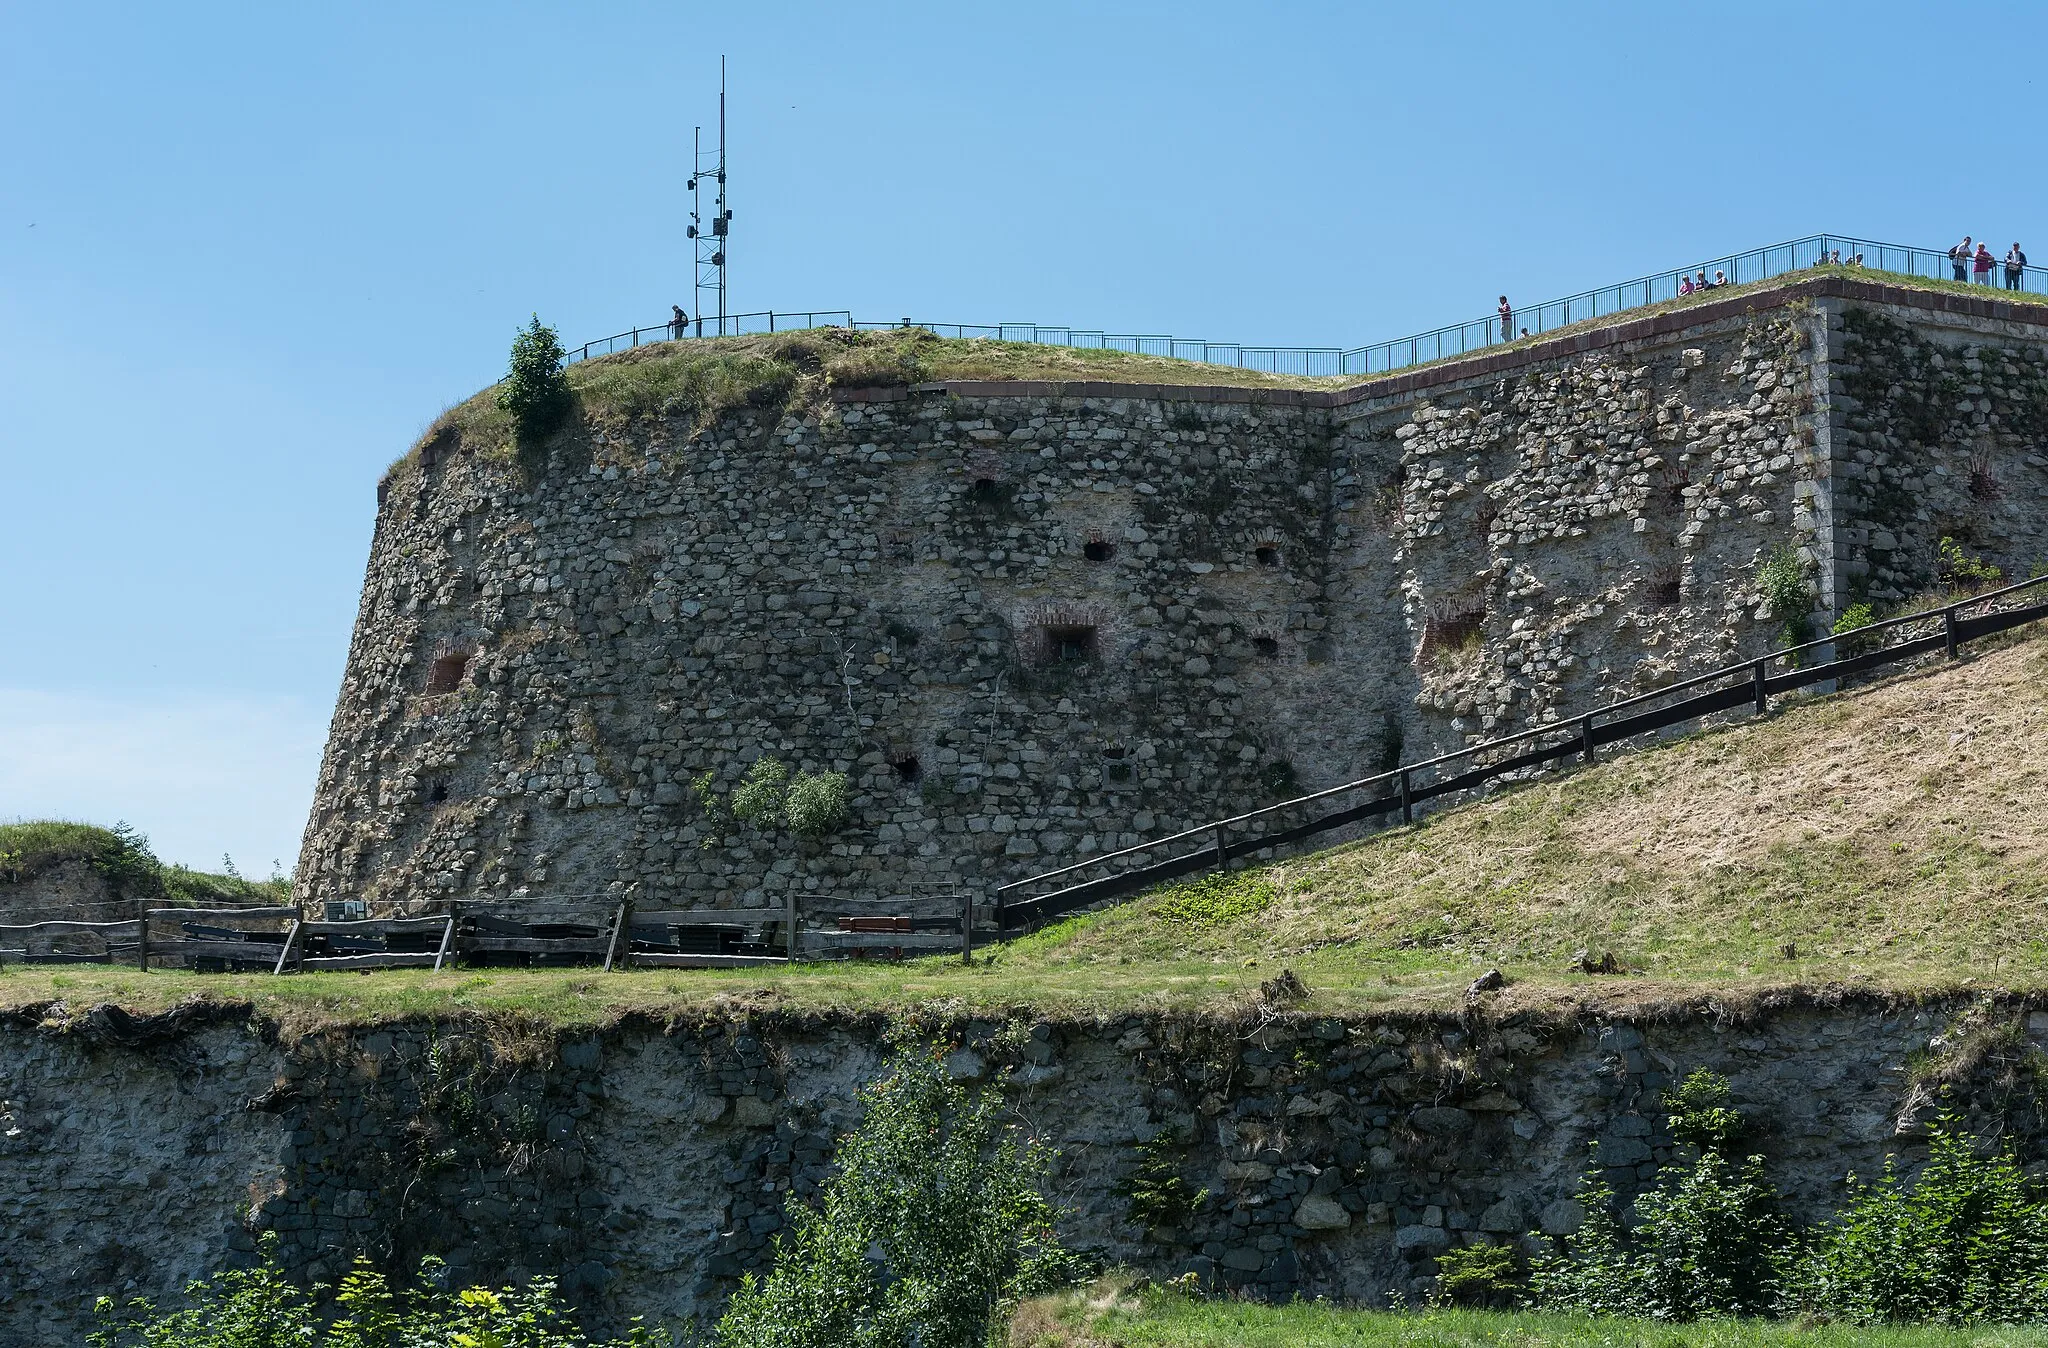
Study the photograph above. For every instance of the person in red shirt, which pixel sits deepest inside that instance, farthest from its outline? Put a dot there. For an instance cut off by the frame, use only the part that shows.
(1982, 264)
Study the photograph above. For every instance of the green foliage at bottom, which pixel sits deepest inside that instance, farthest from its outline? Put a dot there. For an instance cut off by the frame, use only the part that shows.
(261, 1308)
(1966, 1243)
(934, 1226)
(1710, 1243)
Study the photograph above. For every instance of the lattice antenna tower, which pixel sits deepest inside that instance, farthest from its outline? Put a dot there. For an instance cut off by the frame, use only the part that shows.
(710, 243)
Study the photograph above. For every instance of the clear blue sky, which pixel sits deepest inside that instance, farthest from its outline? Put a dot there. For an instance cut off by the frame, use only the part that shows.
(247, 252)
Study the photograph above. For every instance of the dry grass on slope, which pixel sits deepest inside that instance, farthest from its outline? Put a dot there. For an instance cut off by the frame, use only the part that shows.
(1894, 833)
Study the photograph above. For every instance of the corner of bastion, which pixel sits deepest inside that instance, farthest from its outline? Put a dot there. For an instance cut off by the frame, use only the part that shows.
(1032, 622)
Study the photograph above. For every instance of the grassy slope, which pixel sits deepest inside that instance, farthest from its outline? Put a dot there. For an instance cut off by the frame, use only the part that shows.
(1889, 838)
(1166, 1321)
(29, 847)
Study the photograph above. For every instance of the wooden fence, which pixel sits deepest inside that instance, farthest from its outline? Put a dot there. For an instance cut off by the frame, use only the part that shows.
(547, 932)
(1028, 903)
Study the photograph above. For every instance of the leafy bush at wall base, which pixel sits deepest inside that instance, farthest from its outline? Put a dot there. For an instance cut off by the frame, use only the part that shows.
(261, 1308)
(935, 1225)
(1708, 1243)
(1853, 620)
(1967, 1242)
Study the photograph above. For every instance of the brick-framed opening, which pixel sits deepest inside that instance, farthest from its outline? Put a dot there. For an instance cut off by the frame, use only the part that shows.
(445, 674)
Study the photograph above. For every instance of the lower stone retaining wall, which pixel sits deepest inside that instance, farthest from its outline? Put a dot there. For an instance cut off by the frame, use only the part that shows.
(648, 1165)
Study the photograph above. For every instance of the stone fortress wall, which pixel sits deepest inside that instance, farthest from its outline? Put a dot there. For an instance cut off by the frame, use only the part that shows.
(647, 1166)
(1034, 622)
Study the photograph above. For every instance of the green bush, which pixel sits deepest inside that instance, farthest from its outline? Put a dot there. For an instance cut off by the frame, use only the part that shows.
(1701, 1115)
(1478, 1275)
(261, 1308)
(1963, 573)
(1782, 581)
(761, 799)
(1854, 619)
(1158, 1194)
(535, 391)
(816, 805)
(1707, 1241)
(935, 1224)
(1968, 1242)
(810, 805)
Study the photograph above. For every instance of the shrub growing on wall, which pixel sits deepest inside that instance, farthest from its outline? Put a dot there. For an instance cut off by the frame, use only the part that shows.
(810, 805)
(535, 391)
(817, 805)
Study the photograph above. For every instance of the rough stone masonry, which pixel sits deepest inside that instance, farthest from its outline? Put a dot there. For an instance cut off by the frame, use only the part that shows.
(1034, 622)
(649, 1165)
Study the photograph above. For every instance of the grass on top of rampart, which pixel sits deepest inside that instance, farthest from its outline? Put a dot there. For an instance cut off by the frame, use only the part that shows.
(709, 376)
(1888, 841)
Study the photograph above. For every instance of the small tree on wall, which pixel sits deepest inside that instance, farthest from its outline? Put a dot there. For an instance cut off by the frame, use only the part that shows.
(535, 390)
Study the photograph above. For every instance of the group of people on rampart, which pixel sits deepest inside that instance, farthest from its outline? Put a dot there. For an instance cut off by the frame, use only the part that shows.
(1967, 262)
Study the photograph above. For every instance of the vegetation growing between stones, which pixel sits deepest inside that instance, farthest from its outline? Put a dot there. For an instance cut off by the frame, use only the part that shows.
(934, 1227)
(1787, 590)
(810, 805)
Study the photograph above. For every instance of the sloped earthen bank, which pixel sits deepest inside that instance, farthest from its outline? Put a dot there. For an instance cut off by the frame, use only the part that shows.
(648, 1165)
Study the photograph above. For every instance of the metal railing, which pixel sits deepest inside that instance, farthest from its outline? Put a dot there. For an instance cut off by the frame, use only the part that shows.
(1401, 790)
(1458, 339)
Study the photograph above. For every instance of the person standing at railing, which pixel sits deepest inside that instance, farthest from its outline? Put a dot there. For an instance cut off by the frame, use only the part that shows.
(1982, 264)
(1959, 259)
(2015, 267)
(678, 324)
(1507, 319)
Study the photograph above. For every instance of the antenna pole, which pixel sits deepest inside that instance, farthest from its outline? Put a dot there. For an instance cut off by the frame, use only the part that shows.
(697, 224)
(710, 243)
(724, 215)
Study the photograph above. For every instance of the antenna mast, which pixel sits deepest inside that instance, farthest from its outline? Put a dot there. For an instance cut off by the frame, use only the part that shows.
(710, 244)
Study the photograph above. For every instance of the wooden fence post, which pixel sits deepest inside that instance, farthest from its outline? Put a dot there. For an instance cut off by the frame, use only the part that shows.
(967, 928)
(142, 935)
(291, 938)
(1586, 751)
(1763, 696)
(1949, 637)
(619, 921)
(1222, 852)
(447, 938)
(1407, 806)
